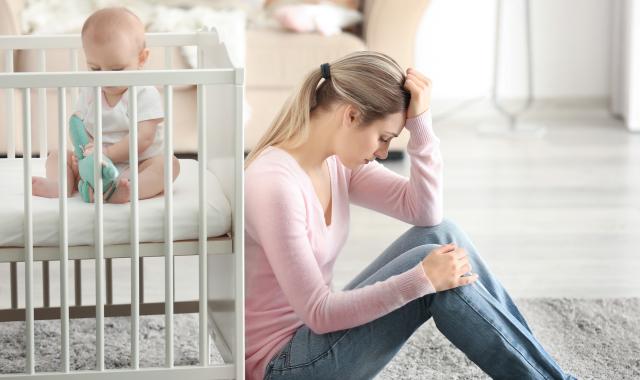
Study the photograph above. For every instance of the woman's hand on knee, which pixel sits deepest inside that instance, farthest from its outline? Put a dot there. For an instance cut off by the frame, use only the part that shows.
(445, 265)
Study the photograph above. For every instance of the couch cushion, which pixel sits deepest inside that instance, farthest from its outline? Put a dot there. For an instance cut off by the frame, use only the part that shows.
(280, 59)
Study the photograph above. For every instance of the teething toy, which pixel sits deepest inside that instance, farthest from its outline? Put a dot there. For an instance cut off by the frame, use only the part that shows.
(109, 173)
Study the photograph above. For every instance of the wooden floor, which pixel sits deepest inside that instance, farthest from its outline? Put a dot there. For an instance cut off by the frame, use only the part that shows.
(557, 216)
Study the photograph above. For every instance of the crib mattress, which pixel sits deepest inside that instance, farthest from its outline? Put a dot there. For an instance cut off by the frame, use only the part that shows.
(116, 225)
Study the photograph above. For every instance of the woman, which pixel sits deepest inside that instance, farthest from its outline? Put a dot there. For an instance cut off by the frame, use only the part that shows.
(316, 158)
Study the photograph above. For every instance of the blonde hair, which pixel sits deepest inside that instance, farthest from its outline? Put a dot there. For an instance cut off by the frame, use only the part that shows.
(371, 82)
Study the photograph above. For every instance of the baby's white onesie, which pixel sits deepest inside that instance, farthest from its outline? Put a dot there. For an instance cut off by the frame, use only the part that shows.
(115, 120)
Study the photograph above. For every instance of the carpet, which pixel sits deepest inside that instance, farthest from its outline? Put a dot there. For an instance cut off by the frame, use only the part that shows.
(117, 346)
(590, 338)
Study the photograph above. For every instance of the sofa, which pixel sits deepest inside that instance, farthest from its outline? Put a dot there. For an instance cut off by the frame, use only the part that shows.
(276, 61)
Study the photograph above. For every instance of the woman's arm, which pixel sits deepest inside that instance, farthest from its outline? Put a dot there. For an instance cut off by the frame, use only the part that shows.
(276, 219)
(418, 199)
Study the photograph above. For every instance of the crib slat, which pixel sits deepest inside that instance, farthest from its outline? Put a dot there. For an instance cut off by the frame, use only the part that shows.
(109, 278)
(135, 238)
(168, 224)
(238, 230)
(64, 235)
(45, 283)
(28, 232)
(13, 268)
(99, 243)
(73, 58)
(9, 104)
(141, 281)
(168, 57)
(77, 279)
(42, 106)
(202, 195)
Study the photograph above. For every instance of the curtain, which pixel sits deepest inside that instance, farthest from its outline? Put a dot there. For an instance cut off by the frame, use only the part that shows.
(625, 62)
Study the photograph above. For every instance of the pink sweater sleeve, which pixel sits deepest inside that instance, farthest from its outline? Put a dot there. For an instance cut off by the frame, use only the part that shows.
(276, 219)
(416, 200)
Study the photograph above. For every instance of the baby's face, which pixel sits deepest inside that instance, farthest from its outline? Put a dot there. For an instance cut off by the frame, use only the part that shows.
(117, 54)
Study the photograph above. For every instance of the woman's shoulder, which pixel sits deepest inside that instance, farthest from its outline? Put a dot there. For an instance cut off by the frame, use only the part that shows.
(271, 180)
(272, 165)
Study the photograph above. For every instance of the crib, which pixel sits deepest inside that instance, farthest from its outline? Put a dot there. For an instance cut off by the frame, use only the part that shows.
(205, 221)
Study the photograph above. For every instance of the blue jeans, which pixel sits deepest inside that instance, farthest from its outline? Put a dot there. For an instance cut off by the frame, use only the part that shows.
(480, 319)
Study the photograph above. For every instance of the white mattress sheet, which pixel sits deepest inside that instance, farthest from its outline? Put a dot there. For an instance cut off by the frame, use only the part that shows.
(117, 224)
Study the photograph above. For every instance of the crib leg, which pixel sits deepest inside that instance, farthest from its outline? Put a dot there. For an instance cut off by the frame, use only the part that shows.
(45, 283)
(14, 285)
(109, 275)
(141, 279)
(77, 277)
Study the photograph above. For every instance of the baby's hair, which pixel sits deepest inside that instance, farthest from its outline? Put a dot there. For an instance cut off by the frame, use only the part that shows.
(114, 20)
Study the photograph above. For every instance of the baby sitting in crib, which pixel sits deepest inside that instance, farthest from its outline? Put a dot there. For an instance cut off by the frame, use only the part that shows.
(113, 39)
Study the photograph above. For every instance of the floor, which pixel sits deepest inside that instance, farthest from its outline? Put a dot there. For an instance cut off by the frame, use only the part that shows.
(553, 216)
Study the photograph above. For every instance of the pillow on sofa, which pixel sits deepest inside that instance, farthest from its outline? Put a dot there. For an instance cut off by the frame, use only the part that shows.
(325, 17)
(352, 4)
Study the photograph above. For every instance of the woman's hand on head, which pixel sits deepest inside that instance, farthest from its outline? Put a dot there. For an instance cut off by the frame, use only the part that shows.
(420, 88)
(445, 265)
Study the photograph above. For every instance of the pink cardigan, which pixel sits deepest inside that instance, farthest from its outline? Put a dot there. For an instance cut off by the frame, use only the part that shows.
(290, 251)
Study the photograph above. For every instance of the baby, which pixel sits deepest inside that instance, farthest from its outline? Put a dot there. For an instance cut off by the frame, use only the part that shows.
(113, 40)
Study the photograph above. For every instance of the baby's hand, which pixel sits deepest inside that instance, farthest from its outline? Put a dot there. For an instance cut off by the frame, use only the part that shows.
(420, 88)
(87, 149)
(74, 163)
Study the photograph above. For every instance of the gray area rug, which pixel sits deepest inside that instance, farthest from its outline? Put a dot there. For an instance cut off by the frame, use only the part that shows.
(117, 346)
(591, 339)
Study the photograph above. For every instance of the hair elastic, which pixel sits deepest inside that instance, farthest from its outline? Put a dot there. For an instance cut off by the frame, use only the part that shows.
(326, 71)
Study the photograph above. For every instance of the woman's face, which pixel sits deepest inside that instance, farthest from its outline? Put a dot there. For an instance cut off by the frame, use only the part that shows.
(358, 145)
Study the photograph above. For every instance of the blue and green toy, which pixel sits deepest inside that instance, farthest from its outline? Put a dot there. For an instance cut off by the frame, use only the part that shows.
(80, 138)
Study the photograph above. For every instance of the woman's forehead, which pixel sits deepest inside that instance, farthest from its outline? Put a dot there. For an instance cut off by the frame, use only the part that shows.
(392, 123)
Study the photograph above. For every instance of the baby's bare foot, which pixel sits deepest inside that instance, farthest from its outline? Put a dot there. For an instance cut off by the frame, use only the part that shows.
(44, 187)
(122, 193)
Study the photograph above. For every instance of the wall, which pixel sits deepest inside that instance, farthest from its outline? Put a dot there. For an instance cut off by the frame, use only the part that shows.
(571, 48)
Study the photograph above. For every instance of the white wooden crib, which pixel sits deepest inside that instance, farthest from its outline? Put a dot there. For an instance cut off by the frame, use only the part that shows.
(168, 226)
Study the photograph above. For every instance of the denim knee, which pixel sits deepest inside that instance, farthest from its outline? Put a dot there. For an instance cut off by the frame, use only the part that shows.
(449, 226)
(446, 229)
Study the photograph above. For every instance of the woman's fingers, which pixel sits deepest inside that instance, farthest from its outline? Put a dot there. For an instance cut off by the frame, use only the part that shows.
(411, 84)
(444, 248)
(466, 268)
(420, 84)
(420, 88)
(468, 280)
(419, 75)
(460, 253)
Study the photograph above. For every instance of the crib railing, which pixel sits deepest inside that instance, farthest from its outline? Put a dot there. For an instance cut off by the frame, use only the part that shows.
(209, 50)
